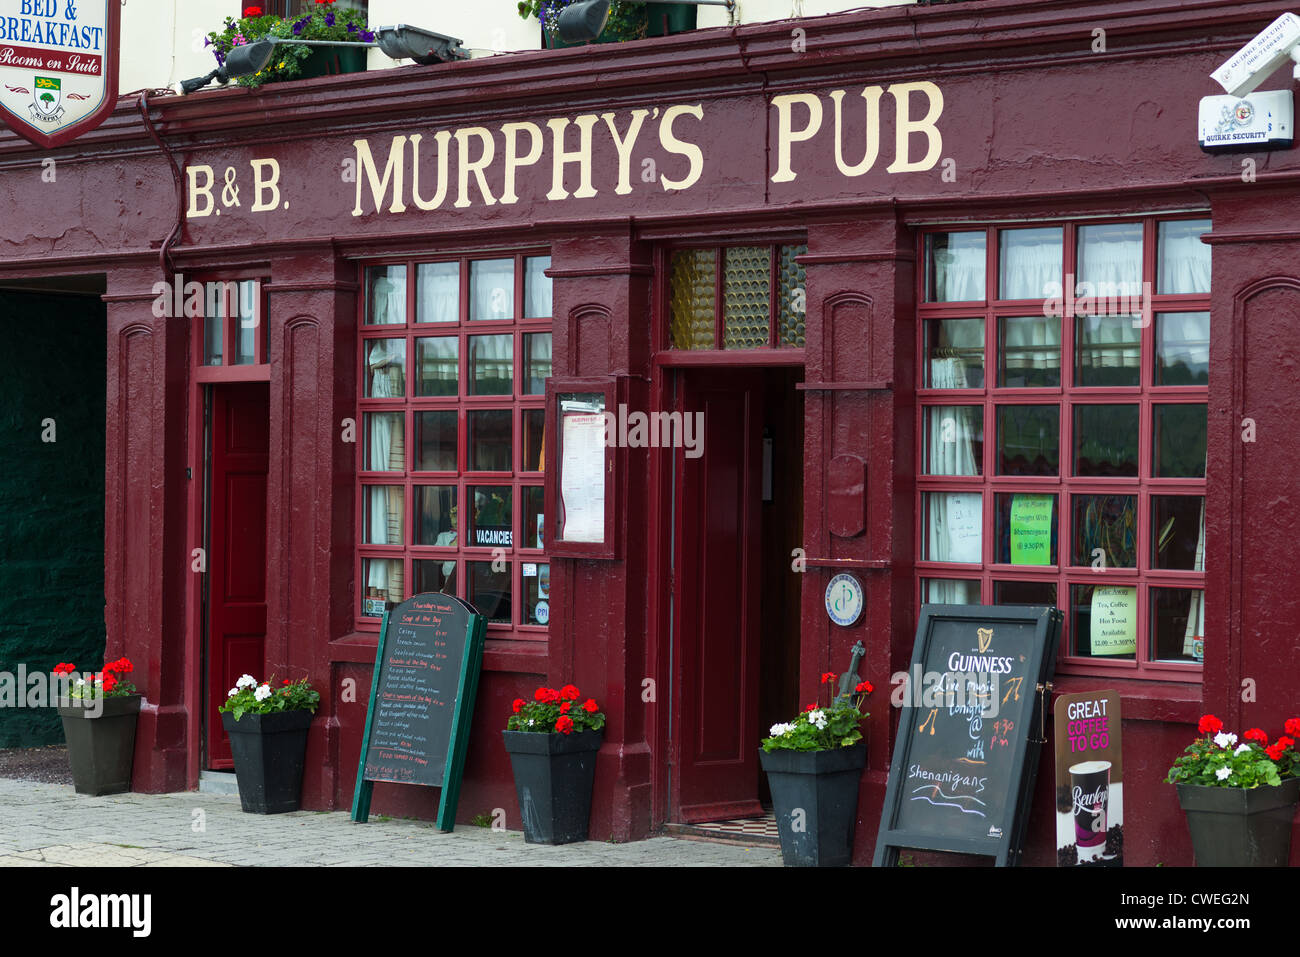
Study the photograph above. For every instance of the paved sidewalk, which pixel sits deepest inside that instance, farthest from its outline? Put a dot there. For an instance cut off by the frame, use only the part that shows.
(51, 825)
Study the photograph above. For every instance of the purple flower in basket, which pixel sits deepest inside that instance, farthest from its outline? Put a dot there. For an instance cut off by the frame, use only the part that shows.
(207, 41)
(221, 57)
(329, 19)
(367, 36)
(299, 24)
(352, 27)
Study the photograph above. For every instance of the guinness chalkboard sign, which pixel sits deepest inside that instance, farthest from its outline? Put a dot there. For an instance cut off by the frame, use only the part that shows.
(970, 731)
(422, 700)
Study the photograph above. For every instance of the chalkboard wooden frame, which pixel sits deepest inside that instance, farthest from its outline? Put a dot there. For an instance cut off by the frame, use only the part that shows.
(1041, 664)
(458, 746)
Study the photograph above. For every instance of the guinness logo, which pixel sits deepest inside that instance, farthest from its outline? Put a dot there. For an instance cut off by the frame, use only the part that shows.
(986, 638)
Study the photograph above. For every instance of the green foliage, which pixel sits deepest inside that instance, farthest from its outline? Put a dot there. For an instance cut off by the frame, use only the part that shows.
(819, 729)
(325, 23)
(481, 820)
(1248, 765)
(250, 697)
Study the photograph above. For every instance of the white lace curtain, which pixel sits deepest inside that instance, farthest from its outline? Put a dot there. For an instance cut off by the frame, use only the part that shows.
(1184, 260)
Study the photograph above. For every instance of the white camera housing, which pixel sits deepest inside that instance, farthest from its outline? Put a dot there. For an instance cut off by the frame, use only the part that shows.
(1254, 63)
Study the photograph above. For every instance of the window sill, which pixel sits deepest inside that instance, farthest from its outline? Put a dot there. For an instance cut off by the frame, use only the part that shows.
(1170, 701)
(500, 654)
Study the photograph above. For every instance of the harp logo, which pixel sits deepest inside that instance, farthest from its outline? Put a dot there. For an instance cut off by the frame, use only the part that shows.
(985, 637)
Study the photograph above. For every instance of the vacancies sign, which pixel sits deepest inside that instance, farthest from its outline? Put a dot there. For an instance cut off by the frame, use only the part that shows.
(58, 66)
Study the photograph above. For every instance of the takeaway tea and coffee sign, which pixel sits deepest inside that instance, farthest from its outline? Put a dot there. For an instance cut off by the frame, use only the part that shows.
(58, 66)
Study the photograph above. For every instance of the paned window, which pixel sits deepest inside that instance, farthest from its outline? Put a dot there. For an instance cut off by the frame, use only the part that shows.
(736, 297)
(454, 358)
(1062, 432)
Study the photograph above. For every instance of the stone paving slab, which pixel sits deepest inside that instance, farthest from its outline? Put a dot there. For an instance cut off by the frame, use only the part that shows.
(50, 825)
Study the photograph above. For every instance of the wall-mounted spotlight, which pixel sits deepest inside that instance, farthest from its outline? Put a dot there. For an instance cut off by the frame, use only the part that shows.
(583, 22)
(400, 42)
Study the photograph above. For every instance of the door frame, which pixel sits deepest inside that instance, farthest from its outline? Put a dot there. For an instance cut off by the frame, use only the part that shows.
(201, 379)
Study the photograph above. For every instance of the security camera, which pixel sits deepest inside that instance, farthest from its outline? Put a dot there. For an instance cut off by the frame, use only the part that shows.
(1254, 63)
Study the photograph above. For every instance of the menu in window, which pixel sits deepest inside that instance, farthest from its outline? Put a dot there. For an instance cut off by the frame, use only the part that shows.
(582, 469)
(1114, 620)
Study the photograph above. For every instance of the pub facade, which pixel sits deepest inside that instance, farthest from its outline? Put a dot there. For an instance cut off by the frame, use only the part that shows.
(887, 288)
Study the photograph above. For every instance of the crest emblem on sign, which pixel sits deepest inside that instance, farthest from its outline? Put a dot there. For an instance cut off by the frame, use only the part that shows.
(986, 638)
(46, 96)
(58, 67)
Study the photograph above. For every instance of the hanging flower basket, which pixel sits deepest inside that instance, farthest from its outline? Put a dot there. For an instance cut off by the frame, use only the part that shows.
(291, 61)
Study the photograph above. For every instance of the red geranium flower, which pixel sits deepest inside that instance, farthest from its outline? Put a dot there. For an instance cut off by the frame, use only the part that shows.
(543, 694)
(564, 724)
(865, 686)
(109, 682)
(518, 704)
(1275, 751)
(564, 708)
(828, 677)
(811, 707)
(1293, 726)
(252, 11)
(63, 668)
(1255, 734)
(285, 681)
(1284, 742)
(569, 693)
(1209, 724)
(590, 706)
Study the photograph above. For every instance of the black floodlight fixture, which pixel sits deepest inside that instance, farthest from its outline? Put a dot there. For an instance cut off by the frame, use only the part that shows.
(583, 22)
(405, 42)
(400, 42)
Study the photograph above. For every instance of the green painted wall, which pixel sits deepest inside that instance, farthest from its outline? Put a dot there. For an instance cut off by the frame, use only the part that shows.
(52, 366)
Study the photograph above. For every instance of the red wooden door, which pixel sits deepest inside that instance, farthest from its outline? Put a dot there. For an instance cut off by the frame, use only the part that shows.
(237, 549)
(716, 577)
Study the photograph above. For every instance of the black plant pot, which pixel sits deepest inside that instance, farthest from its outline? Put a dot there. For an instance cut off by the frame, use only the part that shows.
(100, 747)
(554, 774)
(815, 796)
(269, 752)
(1240, 827)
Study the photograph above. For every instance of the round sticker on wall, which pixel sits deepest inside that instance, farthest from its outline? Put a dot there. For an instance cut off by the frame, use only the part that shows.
(542, 612)
(844, 599)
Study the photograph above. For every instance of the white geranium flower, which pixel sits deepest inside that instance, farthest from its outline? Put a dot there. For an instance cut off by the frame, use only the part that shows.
(1225, 740)
(81, 682)
(262, 693)
(1223, 773)
(1241, 748)
(233, 692)
(781, 728)
(246, 681)
(818, 719)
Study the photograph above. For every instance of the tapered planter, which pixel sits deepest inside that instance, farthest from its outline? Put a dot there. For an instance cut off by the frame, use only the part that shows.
(269, 751)
(1240, 827)
(815, 797)
(334, 60)
(554, 774)
(100, 746)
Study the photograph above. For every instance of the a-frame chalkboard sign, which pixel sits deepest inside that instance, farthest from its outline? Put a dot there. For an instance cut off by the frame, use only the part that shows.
(971, 732)
(422, 700)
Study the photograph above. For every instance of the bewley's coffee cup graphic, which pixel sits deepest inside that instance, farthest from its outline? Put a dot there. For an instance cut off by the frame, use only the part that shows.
(1090, 788)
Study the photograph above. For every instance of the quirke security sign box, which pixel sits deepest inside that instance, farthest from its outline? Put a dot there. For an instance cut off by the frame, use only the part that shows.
(58, 66)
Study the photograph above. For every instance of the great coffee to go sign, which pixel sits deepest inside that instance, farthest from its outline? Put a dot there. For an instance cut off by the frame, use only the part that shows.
(58, 66)
(1089, 780)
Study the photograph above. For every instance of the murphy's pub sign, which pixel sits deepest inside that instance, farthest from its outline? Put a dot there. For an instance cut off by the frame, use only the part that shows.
(58, 66)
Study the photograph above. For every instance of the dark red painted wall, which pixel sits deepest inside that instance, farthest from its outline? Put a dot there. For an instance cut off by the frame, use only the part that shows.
(1035, 123)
